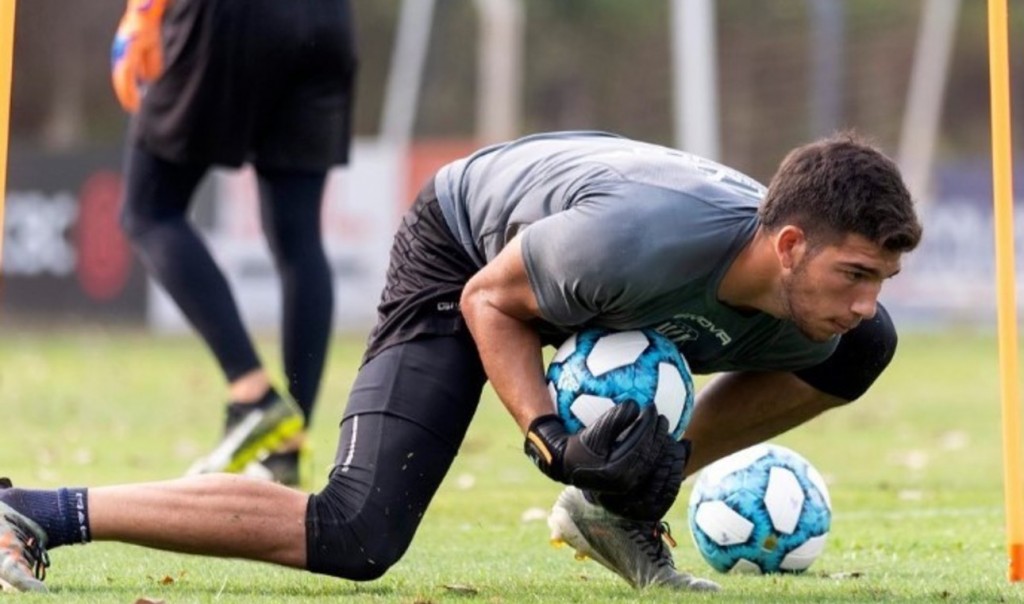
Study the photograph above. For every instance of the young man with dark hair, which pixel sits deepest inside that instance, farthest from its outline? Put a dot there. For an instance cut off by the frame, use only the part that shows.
(517, 246)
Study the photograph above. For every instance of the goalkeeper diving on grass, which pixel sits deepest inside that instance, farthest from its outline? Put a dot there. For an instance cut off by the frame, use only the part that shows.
(517, 246)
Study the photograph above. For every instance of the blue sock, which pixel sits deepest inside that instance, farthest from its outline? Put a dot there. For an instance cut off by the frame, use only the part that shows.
(63, 514)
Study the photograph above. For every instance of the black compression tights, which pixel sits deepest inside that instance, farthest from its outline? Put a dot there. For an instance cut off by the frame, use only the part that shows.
(157, 198)
(408, 411)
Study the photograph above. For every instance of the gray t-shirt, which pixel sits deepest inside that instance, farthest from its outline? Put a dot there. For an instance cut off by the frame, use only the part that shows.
(623, 234)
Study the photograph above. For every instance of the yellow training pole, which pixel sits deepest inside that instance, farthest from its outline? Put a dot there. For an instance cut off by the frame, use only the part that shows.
(1002, 180)
(6, 69)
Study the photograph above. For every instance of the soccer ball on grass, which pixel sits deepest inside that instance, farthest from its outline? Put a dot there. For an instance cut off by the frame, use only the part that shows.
(598, 368)
(764, 509)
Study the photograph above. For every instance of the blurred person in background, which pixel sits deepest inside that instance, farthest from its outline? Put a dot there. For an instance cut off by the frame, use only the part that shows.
(225, 83)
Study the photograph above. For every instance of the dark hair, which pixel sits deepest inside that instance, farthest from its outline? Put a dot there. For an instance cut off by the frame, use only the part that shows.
(838, 186)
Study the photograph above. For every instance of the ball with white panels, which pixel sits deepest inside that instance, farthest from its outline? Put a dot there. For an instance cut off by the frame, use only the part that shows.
(598, 368)
(764, 509)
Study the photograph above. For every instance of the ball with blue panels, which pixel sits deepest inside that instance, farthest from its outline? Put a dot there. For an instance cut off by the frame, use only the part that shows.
(598, 368)
(765, 509)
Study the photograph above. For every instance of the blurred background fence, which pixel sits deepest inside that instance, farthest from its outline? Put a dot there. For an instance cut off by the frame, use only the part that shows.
(738, 80)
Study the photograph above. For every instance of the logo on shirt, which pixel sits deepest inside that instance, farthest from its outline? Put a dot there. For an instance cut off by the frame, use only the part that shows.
(683, 328)
(678, 332)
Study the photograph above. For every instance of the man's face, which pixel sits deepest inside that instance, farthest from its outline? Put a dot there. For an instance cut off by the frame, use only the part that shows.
(829, 291)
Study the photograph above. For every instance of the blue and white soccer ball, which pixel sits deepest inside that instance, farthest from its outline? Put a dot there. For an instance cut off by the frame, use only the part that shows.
(764, 509)
(596, 369)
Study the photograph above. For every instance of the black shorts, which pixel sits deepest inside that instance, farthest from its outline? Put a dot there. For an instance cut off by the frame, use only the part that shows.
(428, 270)
(263, 81)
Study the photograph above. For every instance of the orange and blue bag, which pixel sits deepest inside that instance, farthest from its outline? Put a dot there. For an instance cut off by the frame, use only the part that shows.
(136, 57)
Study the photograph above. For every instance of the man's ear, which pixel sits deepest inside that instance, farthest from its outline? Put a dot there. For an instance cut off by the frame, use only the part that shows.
(790, 245)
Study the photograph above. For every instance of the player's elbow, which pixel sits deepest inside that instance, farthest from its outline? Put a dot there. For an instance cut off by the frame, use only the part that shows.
(470, 301)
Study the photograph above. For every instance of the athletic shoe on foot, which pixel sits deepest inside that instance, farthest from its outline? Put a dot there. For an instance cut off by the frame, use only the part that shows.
(636, 551)
(253, 431)
(23, 557)
(282, 467)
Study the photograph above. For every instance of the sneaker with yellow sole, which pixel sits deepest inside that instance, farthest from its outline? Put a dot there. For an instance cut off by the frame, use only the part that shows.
(251, 433)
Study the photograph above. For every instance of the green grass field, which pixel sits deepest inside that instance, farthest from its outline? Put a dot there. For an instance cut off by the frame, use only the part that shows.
(915, 474)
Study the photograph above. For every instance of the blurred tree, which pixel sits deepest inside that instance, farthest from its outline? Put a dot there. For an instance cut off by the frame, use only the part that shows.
(61, 95)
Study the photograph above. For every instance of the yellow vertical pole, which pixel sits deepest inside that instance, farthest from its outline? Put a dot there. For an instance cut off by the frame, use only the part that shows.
(1002, 180)
(6, 69)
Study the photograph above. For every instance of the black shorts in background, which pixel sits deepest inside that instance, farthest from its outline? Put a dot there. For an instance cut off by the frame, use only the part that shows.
(263, 81)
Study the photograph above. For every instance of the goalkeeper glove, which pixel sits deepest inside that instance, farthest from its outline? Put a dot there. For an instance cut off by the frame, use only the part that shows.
(136, 57)
(614, 454)
(652, 498)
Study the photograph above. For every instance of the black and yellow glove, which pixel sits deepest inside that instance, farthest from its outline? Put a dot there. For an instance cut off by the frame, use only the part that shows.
(614, 454)
(651, 499)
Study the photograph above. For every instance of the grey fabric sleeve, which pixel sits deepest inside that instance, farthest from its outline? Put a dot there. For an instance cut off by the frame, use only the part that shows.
(607, 255)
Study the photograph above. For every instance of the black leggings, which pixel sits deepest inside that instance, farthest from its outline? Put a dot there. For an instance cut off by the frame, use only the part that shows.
(407, 414)
(158, 195)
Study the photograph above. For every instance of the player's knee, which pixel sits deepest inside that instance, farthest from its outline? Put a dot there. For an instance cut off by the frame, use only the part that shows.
(860, 357)
(349, 539)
